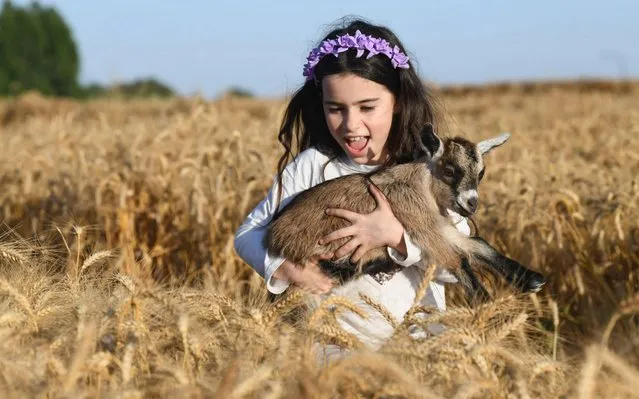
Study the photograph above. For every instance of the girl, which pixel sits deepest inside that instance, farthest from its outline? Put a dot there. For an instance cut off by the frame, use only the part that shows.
(361, 107)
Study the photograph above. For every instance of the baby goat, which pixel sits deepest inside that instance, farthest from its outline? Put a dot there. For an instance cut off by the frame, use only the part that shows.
(444, 175)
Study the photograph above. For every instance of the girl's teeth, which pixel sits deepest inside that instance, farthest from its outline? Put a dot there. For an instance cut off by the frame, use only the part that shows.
(357, 143)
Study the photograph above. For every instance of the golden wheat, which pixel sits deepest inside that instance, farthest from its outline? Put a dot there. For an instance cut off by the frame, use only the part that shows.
(118, 276)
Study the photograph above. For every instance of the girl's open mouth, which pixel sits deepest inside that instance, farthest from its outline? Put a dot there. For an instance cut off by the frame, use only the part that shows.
(357, 145)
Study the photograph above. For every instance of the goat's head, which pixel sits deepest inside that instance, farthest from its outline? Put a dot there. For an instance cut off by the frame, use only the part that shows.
(457, 166)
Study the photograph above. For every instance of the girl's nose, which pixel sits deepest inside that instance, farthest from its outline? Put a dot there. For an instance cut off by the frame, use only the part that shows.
(351, 121)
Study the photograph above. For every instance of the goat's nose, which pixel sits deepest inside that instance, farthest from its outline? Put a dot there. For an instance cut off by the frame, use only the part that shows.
(472, 204)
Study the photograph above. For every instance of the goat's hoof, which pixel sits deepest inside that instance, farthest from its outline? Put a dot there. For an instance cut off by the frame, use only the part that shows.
(534, 282)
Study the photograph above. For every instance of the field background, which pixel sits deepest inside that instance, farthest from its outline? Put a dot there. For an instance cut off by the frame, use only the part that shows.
(118, 276)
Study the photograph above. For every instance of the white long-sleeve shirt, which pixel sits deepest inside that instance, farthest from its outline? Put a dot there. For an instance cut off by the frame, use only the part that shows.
(308, 169)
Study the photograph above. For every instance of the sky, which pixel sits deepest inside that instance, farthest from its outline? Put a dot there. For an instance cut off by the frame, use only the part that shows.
(206, 46)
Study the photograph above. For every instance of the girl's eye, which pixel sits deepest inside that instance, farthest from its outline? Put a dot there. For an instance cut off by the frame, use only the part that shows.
(333, 110)
(367, 108)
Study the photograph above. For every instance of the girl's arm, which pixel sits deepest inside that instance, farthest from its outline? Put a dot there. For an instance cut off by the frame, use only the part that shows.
(249, 243)
(249, 237)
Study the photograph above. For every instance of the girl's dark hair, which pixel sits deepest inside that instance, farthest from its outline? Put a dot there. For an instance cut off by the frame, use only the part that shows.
(304, 124)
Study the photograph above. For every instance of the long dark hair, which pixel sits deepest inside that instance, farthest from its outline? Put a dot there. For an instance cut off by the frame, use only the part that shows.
(304, 124)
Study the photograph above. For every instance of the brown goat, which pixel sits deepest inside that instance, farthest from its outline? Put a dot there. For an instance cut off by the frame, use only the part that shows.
(420, 192)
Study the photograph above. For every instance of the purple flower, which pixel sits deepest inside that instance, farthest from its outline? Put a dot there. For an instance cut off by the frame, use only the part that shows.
(360, 39)
(382, 46)
(370, 46)
(347, 41)
(315, 53)
(399, 59)
(314, 57)
(327, 46)
(360, 42)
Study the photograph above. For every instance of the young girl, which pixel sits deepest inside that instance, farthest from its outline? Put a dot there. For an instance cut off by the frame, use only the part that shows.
(361, 107)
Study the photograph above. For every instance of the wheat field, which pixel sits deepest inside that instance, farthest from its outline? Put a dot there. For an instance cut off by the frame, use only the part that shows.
(118, 276)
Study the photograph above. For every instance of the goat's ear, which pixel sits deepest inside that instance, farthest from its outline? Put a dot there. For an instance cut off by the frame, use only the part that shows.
(431, 143)
(485, 146)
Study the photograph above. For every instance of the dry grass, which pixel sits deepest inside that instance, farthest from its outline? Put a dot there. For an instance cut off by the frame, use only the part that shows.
(118, 276)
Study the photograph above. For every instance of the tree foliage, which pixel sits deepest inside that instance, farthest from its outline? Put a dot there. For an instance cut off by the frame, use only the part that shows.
(38, 52)
(237, 91)
(148, 87)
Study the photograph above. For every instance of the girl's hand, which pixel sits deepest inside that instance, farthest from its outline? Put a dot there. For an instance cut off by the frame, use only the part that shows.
(309, 278)
(368, 231)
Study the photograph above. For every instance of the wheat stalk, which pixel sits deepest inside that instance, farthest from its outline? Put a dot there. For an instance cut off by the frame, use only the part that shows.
(20, 299)
(12, 255)
(172, 205)
(290, 300)
(94, 259)
(252, 382)
(471, 389)
(380, 309)
(616, 363)
(333, 333)
(555, 322)
(627, 306)
(588, 380)
(332, 305)
(183, 326)
(81, 354)
(424, 284)
(507, 328)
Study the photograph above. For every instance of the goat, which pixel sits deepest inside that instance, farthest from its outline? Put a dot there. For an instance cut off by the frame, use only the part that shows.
(443, 175)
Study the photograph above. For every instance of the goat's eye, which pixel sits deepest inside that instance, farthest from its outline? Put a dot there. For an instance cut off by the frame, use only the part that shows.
(449, 171)
(481, 174)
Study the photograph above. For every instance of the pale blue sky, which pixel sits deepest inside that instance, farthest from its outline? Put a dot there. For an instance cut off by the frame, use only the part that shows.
(208, 45)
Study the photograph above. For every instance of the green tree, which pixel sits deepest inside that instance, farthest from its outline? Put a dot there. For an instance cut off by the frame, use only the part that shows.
(237, 91)
(37, 51)
(60, 54)
(149, 87)
(8, 62)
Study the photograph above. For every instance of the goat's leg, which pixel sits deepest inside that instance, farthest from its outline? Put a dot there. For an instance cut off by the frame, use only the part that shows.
(474, 290)
(476, 293)
(344, 270)
(515, 273)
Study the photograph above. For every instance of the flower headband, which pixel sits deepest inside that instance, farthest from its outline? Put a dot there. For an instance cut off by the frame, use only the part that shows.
(360, 42)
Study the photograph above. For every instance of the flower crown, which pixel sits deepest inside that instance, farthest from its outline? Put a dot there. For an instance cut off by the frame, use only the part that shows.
(360, 42)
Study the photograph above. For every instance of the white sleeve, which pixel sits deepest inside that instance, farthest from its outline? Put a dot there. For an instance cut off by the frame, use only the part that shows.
(249, 237)
(413, 253)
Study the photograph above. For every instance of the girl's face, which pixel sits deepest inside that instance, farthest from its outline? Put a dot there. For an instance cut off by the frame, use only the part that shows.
(359, 114)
